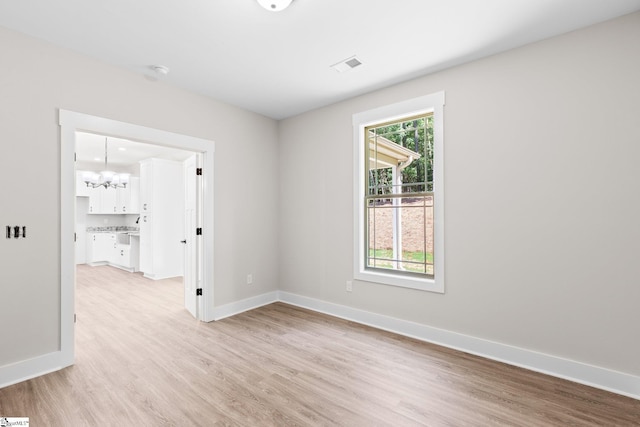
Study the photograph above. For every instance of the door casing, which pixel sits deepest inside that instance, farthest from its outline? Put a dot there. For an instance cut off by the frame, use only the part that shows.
(70, 122)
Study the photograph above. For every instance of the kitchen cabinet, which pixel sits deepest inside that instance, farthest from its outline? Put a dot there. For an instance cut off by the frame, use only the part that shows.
(105, 248)
(146, 185)
(112, 257)
(95, 201)
(112, 200)
(161, 218)
(81, 188)
(134, 252)
(121, 256)
(98, 248)
(107, 200)
(127, 199)
(95, 195)
(126, 256)
(102, 200)
(146, 241)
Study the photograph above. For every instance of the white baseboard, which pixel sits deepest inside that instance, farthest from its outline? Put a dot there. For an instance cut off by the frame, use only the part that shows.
(238, 307)
(31, 368)
(594, 376)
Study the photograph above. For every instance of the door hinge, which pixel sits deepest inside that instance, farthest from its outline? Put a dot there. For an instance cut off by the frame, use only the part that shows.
(198, 171)
(198, 231)
(75, 318)
(199, 291)
(75, 237)
(75, 157)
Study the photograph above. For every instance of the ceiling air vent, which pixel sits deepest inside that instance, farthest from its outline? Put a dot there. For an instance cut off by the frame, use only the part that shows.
(347, 64)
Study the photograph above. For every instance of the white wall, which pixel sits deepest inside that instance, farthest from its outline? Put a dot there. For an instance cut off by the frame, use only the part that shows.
(36, 79)
(541, 144)
(542, 202)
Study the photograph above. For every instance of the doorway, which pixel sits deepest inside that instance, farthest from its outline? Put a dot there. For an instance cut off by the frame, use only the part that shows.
(72, 122)
(140, 216)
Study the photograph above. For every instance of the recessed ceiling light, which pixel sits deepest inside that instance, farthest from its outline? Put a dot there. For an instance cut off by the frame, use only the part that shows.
(97, 159)
(122, 149)
(347, 64)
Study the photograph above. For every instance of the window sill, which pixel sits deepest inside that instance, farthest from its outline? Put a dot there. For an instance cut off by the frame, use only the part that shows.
(374, 276)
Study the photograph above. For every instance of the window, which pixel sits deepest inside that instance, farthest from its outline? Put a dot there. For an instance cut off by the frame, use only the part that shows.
(399, 194)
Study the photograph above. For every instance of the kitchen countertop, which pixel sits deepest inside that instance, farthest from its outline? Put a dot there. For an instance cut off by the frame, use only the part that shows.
(115, 229)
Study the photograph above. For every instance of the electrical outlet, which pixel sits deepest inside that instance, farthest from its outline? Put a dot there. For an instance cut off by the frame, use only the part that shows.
(349, 285)
(249, 279)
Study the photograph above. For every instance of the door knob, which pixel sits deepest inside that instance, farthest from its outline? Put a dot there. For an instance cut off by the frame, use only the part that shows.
(183, 241)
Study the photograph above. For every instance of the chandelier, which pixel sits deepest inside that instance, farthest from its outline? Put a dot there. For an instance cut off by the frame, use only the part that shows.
(105, 178)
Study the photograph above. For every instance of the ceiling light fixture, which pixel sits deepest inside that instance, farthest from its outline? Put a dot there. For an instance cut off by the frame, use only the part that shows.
(275, 5)
(106, 178)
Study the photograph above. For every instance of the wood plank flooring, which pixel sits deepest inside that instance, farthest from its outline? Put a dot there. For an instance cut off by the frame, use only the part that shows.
(141, 360)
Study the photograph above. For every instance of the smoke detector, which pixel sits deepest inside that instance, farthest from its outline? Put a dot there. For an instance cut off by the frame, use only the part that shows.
(160, 70)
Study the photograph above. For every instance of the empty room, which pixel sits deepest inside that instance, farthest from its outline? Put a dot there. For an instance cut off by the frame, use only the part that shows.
(314, 213)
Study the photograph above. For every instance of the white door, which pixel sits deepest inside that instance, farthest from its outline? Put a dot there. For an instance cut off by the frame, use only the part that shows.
(190, 224)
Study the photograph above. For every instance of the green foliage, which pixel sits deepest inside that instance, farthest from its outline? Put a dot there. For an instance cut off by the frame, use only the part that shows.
(387, 254)
(418, 261)
(416, 135)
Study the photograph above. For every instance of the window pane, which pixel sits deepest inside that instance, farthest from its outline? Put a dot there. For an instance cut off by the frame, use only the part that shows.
(400, 163)
(400, 233)
(380, 234)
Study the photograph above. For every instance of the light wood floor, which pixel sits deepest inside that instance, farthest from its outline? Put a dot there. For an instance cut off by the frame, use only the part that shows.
(143, 361)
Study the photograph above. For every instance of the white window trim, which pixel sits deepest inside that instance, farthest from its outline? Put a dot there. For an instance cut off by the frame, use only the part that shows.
(412, 107)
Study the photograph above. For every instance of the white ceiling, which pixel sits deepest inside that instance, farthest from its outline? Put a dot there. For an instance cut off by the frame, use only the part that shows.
(90, 148)
(278, 64)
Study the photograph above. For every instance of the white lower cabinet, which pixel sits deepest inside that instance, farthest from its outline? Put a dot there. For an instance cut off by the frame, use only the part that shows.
(112, 251)
(98, 245)
(123, 255)
(103, 248)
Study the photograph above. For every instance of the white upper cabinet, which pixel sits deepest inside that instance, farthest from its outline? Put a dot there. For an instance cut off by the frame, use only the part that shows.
(81, 188)
(108, 200)
(111, 200)
(95, 201)
(146, 185)
(127, 199)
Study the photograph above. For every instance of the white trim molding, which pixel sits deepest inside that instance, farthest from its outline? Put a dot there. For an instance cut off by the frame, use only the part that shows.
(70, 122)
(594, 376)
(433, 103)
(237, 307)
(31, 368)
